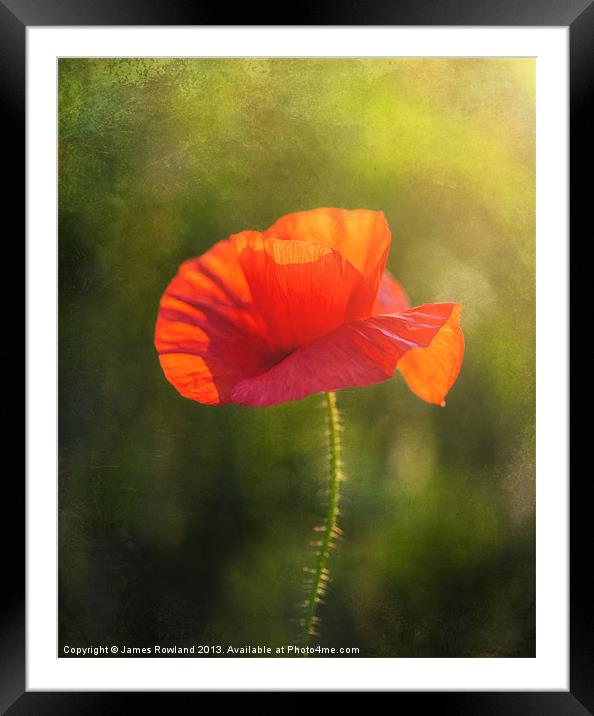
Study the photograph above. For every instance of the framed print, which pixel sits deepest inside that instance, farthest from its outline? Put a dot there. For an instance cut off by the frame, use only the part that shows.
(297, 383)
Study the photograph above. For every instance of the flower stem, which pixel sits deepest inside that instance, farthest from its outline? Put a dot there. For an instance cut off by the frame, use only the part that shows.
(330, 530)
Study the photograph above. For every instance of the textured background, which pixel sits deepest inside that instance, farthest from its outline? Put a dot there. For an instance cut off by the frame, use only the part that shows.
(181, 523)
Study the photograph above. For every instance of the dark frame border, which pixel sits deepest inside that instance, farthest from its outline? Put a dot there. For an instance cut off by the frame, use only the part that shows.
(578, 15)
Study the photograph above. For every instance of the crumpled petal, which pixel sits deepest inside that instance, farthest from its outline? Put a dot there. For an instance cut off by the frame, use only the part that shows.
(430, 372)
(391, 297)
(301, 290)
(359, 353)
(361, 236)
(208, 334)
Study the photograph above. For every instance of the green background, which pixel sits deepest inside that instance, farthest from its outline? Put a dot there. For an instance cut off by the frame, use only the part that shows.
(186, 524)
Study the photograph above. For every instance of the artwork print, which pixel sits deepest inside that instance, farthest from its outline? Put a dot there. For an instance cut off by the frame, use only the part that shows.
(296, 357)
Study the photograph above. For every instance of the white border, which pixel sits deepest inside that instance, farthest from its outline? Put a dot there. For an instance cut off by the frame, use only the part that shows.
(549, 670)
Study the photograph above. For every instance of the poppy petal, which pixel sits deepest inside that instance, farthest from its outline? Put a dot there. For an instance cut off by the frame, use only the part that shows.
(359, 353)
(391, 297)
(361, 236)
(301, 290)
(208, 334)
(430, 372)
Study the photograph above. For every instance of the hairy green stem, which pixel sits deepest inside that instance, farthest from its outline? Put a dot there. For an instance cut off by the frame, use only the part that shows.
(330, 530)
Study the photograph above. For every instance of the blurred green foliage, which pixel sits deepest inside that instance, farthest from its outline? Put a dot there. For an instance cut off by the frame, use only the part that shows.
(182, 523)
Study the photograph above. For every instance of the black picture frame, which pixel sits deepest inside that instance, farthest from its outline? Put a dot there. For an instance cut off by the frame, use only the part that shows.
(578, 15)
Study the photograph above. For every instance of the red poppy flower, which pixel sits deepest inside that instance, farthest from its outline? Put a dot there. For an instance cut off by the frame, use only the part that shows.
(305, 307)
